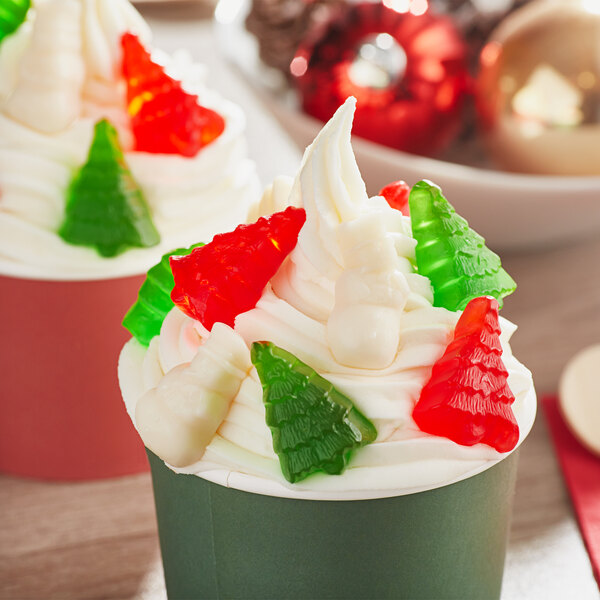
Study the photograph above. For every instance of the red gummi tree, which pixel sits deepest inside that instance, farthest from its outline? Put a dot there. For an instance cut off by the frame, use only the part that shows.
(217, 282)
(165, 119)
(467, 398)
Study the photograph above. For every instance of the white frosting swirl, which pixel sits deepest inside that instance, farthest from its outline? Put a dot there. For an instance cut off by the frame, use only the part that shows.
(47, 94)
(104, 90)
(60, 74)
(176, 421)
(275, 198)
(354, 252)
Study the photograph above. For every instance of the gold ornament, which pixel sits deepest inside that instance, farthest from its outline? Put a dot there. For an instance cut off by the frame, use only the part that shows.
(538, 91)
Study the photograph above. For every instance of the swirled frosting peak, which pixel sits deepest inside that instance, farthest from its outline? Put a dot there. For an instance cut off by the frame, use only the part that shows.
(348, 303)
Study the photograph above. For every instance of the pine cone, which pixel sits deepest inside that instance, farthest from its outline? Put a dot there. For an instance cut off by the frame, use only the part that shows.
(280, 26)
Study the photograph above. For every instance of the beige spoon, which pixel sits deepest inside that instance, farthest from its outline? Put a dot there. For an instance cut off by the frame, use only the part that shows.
(579, 397)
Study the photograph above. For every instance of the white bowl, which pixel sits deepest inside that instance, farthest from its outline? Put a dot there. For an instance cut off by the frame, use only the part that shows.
(512, 211)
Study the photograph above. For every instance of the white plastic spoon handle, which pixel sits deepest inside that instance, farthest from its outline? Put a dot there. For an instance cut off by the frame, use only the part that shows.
(579, 394)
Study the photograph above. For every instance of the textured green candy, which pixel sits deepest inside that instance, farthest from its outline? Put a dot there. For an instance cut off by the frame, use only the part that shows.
(145, 317)
(12, 14)
(314, 426)
(105, 206)
(453, 256)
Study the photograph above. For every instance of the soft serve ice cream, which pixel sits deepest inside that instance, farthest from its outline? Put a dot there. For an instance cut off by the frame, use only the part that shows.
(350, 309)
(60, 73)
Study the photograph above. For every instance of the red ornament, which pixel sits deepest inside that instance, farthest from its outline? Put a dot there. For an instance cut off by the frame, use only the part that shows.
(165, 119)
(217, 282)
(467, 398)
(408, 71)
(396, 194)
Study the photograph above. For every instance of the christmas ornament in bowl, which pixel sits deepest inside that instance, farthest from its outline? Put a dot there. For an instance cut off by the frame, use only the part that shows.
(408, 69)
(538, 92)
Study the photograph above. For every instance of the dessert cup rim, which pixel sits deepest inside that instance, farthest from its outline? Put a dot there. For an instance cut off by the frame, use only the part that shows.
(14, 270)
(267, 487)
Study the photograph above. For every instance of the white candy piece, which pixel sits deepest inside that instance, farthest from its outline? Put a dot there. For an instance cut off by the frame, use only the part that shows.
(363, 329)
(579, 394)
(47, 96)
(179, 418)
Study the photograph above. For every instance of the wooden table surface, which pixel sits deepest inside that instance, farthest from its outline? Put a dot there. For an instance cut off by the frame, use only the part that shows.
(99, 540)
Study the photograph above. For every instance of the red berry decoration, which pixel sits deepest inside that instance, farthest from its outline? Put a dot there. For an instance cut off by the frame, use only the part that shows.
(165, 119)
(217, 282)
(407, 69)
(397, 194)
(467, 398)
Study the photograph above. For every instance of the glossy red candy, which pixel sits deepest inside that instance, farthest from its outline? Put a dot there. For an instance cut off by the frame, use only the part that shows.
(217, 282)
(467, 398)
(396, 194)
(165, 119)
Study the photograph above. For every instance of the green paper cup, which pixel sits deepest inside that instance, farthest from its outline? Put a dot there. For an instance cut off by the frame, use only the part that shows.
(448, 542)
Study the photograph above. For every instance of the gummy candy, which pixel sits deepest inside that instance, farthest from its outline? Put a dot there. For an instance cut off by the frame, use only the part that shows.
(105, 207)
(314, 426)
(164, 118)
(467, 398)
(217, 282)
(396, 194)
(12, 14)
(453, 256)
(145, 317)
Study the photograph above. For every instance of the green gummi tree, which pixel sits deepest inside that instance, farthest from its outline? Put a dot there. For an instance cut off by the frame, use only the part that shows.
(314, 426)
(453, 256)
(145, 317)
(12, 15)
(105, 206)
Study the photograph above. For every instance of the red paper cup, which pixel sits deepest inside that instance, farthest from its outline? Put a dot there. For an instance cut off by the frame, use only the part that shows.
(62, 416)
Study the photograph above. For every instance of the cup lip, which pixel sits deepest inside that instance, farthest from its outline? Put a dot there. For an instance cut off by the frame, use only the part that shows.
(19, 271)
(267, 487)
(253, 485)
(99, 269)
